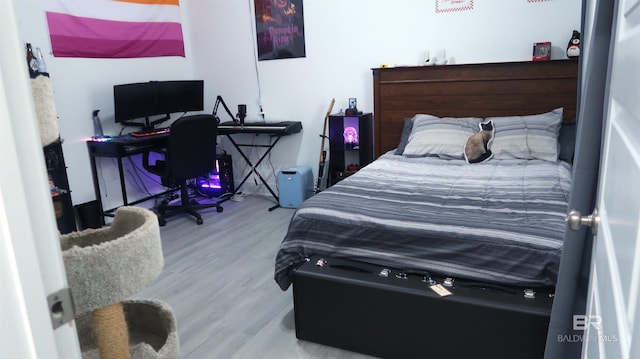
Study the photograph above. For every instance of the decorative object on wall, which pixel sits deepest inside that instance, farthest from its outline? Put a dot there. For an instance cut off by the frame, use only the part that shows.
(453, 5)
(115, 29)
(279, 29)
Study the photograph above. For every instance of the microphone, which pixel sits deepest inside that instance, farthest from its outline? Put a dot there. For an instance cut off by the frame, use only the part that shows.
(242, 113)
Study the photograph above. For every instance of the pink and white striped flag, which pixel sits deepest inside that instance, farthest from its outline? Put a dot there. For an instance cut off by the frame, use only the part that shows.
(115, 28)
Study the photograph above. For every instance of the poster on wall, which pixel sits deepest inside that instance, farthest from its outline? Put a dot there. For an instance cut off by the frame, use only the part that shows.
(453, 5)
(279, 29)
(114, 29)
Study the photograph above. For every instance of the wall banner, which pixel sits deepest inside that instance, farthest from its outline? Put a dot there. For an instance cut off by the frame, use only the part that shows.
(115, 29)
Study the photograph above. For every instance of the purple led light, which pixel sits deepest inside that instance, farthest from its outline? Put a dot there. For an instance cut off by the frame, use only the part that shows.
(212, 182)
(210, 185)
(100, 139)
(350, 135)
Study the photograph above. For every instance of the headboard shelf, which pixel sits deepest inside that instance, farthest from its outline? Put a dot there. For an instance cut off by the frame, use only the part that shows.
(479, 90)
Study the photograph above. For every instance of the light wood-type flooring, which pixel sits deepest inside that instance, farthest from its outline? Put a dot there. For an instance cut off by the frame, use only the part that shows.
(218, 279)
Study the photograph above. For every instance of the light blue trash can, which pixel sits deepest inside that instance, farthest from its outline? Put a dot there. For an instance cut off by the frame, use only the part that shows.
(295, 184)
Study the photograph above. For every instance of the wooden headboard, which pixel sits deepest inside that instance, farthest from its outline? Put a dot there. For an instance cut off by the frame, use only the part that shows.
(473, 90)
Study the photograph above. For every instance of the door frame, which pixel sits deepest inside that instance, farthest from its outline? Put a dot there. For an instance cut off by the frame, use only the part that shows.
(575, 264)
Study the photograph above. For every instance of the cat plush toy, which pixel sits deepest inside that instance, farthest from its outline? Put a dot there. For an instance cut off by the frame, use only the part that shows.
(478, 146)
(573, 48)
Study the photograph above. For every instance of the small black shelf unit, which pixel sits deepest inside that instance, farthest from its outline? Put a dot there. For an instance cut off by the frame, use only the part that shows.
(350, 144)
(60, 193)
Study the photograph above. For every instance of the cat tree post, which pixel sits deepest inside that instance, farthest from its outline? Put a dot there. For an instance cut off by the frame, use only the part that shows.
(111, 332)
(106, 266)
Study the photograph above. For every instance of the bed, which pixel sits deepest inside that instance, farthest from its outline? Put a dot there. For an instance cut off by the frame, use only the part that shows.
(421, 206)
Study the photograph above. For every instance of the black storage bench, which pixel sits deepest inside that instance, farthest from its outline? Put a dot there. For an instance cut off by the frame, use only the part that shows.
(394, 313)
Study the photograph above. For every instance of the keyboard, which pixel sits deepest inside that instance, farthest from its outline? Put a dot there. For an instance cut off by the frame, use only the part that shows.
(281, 128)
(154, 132)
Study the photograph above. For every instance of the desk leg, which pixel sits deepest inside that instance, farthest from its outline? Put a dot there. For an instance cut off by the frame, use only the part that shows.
(96, 183)
(123, 186)
(118, 153)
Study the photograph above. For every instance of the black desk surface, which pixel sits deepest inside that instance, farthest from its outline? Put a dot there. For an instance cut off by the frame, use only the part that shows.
(125, 145)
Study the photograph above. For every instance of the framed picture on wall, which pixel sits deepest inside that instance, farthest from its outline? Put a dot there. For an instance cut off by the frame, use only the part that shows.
(279, 29)
(453, 5)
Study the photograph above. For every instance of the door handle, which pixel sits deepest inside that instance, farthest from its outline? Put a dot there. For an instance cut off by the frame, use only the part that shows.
(576, 220)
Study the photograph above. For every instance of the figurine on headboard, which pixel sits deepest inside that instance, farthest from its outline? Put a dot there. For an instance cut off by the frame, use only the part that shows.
(573, 48)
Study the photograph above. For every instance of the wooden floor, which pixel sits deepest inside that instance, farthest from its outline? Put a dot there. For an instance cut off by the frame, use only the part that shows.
(218, 279)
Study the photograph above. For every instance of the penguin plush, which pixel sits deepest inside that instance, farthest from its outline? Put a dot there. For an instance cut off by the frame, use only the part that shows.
(573, 48)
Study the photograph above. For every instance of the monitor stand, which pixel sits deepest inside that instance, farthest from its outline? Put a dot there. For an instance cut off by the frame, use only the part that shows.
(148, 125)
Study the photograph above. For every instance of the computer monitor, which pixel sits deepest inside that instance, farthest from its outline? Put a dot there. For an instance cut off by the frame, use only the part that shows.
(135, 101)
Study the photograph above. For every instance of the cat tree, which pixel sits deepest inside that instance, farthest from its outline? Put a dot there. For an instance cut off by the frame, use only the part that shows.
(106, 266)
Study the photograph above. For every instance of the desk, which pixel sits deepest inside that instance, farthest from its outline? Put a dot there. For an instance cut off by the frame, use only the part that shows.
(276, 130)
(120, 147)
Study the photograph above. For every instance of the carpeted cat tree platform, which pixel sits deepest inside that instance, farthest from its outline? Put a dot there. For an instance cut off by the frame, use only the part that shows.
(105, 267)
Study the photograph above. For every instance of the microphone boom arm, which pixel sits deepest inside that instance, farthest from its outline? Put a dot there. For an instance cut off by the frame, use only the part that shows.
(219, 101)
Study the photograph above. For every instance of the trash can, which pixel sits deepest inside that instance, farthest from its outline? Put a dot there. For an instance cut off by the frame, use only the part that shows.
(295, 184)
(89, 215)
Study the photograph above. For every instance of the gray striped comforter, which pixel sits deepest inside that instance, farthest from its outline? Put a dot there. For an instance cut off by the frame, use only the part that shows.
(499, 221)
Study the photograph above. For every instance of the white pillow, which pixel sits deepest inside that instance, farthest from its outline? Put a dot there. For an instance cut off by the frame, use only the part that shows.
(444, 137)
(527, 137)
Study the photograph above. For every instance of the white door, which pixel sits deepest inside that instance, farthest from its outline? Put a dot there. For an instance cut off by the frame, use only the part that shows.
(31, 265)
(612, 323)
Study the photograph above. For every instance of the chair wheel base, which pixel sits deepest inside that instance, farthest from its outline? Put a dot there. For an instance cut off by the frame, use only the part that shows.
(189, 206)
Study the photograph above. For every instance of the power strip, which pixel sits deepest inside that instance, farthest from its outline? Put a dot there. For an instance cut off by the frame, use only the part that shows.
(238, 197)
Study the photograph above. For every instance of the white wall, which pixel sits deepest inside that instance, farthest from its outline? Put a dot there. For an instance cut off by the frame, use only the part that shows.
(84, 85)
(344, 40)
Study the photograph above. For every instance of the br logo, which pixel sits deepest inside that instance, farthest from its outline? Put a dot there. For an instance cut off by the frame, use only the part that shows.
(582, 322)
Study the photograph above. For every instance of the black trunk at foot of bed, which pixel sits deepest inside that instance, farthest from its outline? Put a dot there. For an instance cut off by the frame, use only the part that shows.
(349, 305)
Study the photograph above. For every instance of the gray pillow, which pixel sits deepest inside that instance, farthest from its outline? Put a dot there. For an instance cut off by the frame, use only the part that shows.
(443, 137)
(527, 137)
(404, 137)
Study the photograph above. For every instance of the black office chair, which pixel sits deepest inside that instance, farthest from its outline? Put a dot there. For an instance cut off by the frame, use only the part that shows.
(190, 153)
